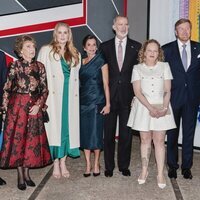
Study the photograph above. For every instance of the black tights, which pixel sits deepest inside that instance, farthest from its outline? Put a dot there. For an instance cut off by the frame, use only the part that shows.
(23, 174)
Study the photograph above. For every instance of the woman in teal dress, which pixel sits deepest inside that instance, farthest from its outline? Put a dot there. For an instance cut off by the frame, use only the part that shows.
(62, 62)
(94, 103)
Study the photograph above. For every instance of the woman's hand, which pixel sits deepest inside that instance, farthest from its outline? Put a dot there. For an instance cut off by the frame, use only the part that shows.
(154, 112)
(162, 112)
(34, 110)
(105, 110)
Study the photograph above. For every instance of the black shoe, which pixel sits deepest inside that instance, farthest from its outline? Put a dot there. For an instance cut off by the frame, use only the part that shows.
(125, 172)
(108, 173)
(87, 175)
(172, 173)
(2, 182)
(187, 174)
(21, 186)
(96, 174)
(30, 183)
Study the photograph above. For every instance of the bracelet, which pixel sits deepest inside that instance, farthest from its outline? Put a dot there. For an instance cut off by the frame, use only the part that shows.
(165, 108)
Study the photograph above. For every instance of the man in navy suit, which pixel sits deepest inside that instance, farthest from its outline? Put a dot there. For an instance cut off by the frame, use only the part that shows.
(183, 56)
(3, 72)
(121, 54)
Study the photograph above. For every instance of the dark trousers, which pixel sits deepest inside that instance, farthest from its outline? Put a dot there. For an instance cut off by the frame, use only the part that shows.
(125, 137)
(188, 113)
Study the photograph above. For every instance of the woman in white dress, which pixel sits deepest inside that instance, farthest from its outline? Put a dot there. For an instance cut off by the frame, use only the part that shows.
(151, 112)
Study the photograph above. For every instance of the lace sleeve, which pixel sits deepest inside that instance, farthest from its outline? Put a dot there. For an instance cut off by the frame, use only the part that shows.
(42, 85)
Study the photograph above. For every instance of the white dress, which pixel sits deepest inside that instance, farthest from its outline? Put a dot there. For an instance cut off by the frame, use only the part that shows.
(152, 85)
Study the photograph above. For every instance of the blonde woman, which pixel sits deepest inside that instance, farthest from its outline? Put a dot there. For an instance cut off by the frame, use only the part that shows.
(151, 113)
(62, 62)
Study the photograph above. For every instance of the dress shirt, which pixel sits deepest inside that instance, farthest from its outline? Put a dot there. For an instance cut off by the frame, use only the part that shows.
(188, 50)
(124, 41)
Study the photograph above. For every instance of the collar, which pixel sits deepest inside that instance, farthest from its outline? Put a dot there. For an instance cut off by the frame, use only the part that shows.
(124, 40)
(180, 44)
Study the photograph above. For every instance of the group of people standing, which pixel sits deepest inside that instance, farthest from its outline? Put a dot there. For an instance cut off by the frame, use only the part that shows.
(146, 87)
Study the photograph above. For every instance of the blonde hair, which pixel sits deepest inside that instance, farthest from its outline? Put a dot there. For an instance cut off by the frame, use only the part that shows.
(71, 54)
(141, 56)
(181, 21)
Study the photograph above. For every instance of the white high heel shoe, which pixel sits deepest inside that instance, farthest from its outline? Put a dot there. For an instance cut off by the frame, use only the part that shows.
(142, 181)
(161, 185)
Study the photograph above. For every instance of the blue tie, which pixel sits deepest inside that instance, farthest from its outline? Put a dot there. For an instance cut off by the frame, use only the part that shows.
(184, 57)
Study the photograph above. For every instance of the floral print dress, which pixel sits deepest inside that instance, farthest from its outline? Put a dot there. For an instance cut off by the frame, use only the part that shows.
(25, 142)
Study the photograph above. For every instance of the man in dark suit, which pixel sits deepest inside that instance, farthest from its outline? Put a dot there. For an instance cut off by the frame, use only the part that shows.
(183, 56)
(121, 54)
(3, 72)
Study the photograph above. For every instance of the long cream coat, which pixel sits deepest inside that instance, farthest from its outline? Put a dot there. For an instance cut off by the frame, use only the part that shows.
(55, 79)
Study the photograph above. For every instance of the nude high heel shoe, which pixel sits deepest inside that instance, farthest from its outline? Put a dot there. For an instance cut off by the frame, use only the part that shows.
(142, 181)
(161, 185)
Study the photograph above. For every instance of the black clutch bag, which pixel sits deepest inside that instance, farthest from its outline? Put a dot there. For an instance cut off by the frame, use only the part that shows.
(45, 116)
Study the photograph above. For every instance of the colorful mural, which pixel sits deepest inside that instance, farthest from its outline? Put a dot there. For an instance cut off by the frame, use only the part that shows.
(191, 10)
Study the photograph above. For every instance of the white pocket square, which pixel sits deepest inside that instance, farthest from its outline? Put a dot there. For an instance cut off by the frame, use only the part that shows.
(198, 56)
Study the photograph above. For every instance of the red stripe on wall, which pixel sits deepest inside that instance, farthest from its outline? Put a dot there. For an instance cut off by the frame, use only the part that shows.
(45, 26)
(41, 27)
(8, 59)
(125, 7)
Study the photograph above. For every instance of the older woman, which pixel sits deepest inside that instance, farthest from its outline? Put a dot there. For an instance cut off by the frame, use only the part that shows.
(25, 143)
(62, 62)
(151, 113)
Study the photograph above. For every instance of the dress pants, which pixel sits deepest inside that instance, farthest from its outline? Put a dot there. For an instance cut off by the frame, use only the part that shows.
(125, 137)
(188, 113)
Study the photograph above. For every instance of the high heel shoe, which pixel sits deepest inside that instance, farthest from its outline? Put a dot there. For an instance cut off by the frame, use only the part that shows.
(161, 185)
(30, 183)
(142, 181)
(21, 186)
(64, 172)
(87, 174)
(96, 174)
(56, 170)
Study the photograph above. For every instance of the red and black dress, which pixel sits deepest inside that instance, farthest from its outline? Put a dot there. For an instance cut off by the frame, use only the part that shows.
(25, 142)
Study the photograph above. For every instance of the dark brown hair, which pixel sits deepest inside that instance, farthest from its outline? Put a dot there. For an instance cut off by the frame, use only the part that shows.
(89, 37)
(19, 42)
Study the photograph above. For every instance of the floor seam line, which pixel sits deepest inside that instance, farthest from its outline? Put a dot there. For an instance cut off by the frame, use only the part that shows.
(39, 188)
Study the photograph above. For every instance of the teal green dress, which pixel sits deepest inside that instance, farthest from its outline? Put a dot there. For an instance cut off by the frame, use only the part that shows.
(64, 150)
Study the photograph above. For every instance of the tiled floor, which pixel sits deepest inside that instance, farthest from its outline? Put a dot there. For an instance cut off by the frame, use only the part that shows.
(101, 188)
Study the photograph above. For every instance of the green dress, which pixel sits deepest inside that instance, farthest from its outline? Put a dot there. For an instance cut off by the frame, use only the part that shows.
(64, 150)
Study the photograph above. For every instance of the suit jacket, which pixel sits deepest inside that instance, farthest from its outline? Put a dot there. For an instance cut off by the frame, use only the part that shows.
(185, 85)
(120, 81)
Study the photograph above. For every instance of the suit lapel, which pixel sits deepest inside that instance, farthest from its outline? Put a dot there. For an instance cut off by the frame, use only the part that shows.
(126, 54)
(113, 50)
(193, 55)
(177, 57)
(129, 46)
